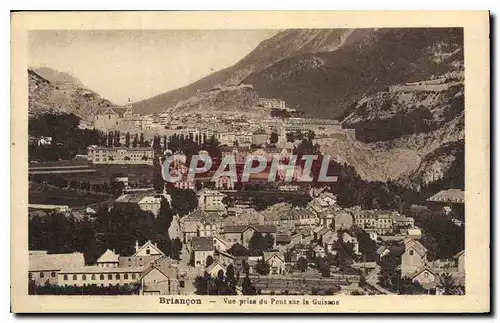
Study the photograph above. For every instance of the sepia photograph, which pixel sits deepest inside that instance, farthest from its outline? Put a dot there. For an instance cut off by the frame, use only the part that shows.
(284, 166)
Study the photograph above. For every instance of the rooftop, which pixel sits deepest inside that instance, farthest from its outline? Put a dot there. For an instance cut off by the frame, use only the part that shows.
(449, 196)
(39, 261)
(202, 243)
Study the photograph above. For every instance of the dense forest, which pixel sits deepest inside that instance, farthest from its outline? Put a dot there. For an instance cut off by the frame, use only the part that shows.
(416, 121)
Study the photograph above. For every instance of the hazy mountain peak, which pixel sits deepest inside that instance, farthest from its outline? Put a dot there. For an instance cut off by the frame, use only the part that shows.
(57, 77)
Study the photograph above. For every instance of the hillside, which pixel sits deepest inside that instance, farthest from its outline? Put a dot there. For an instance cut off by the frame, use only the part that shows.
(326, 84)
(45, 96)
(56, 77)
(411, 133)
(242, 99)
(285, 44)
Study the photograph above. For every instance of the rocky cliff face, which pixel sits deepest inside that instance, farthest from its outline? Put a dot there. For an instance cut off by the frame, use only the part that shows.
(62, 96)
(412, 133)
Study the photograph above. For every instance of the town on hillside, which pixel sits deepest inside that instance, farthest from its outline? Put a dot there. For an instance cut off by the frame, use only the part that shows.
(104, 218)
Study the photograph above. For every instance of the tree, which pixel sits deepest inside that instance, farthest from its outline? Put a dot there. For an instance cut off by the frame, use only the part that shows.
(183, 201)
(310, 135)
(246, 286)
(258, 242)
(135, 143)
(165, 142)
(141, 140)
(262, 267)
(202, 284)
(269, 241)
(209, 261)
(110, 139)
(231, 279)
(323, 267)
(127, 139)
(176, 248)
(274, 138)
(238, 250)
(367, 247)
(156, 143)
(116, 140)
(448, 284)
(302, 264)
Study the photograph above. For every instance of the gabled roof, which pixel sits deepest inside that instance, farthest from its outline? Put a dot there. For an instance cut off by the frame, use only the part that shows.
(416, 245)
(270, 254)
(150, 245)
(164, 265)
(418, 272)
(221, 240)
(243, 228)
(108, 256)
(213, 265)
(449, 196)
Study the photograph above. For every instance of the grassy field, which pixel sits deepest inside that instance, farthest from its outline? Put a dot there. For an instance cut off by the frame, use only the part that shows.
(52, 195)
(103, 173)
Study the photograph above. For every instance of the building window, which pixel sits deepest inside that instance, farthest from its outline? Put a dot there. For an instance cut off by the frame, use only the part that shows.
(84, 277)
(125, 276)
(411, 252)
(110, 277)
(41, 275)
(53, 274)
(117, 276)
(75, 277)
(148, 251)
(133, 276)
(101, 277)
(65, 277)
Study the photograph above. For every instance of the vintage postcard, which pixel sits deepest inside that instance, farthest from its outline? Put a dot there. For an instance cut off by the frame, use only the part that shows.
(322, 162)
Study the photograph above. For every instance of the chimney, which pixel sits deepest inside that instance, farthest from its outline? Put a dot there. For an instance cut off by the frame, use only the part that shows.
(136, 245)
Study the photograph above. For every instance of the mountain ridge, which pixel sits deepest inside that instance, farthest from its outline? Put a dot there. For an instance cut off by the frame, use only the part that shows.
(65, 95)
(284, 44)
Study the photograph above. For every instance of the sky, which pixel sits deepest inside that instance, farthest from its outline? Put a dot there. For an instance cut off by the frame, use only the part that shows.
(139, 64)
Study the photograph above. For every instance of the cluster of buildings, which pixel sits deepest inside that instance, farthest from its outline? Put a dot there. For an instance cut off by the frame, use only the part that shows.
(231, 128)
(416, 266)
(148, 268)
(120, 155)
(212, 234)
(119, 118)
